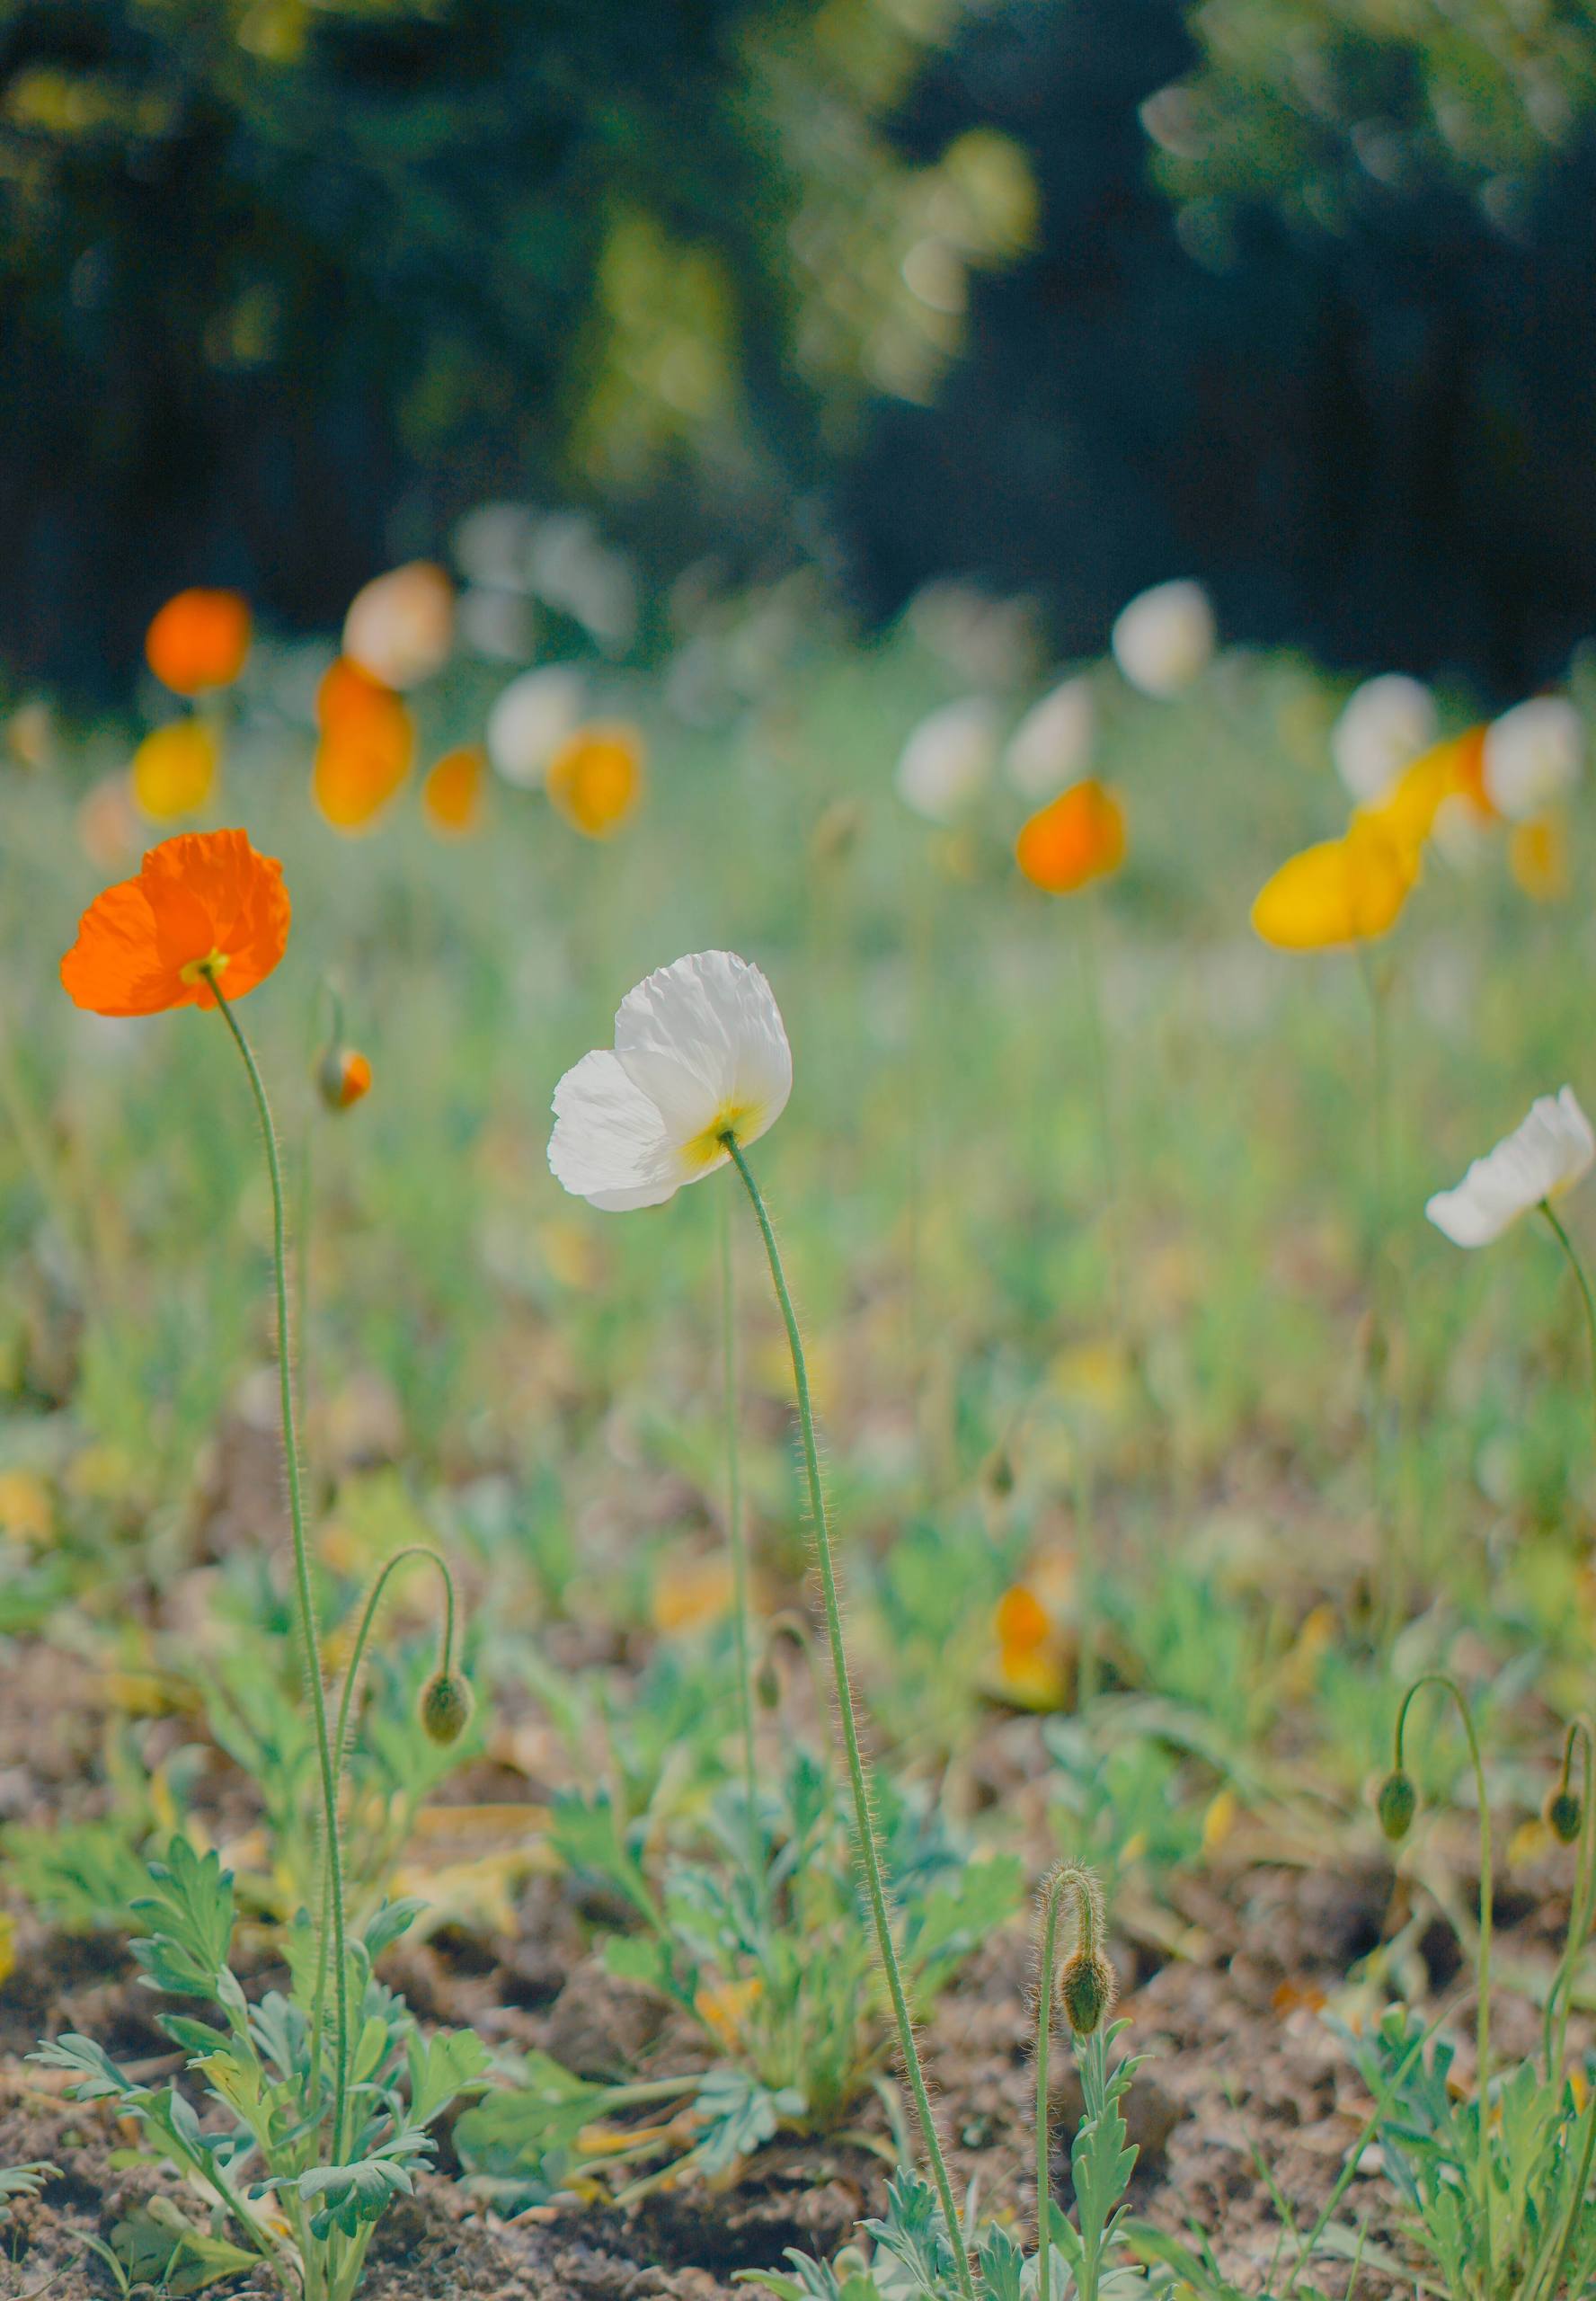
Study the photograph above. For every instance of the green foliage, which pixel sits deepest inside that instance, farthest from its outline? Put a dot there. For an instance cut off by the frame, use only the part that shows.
(1537, 2138)
(264, 2069)
(914, 2260)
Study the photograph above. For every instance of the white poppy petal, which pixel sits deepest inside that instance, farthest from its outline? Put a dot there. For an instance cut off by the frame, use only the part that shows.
(1550, 1151)
(704, 1041)
(610, 1142)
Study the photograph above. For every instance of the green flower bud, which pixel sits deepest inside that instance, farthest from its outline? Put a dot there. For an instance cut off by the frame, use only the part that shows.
(446, 1707)
(1086, 1989)
(1564, 1815)
(767, 1685)
(1397, 1804)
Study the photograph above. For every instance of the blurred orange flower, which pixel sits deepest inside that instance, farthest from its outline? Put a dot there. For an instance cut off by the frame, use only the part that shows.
(367, 743)
(453, 793)
(174, 769)
(595, 778)
(1346, 889)
(1075, 839)
(203, 903)
(1537, 857)
(1029, 1669)
(1448, 770)
(198, 640)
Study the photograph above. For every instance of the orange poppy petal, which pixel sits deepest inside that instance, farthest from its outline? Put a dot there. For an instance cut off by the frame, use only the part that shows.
(1078, 836)
(452, 795)
(200, 640)
(367, 743)
(595, 778)
(201, 896)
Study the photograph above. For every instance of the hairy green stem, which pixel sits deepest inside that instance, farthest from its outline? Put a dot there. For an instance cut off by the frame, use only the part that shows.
(304, 1591)
(737, 1538)
(1483, 1995)
(1571, 1255)
(1072, 1881)
(1560, 1996)
(869, 1852)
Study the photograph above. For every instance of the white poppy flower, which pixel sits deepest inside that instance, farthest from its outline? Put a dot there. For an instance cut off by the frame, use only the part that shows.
(1540, 1160)
(948, 760)
(1384, 726)
(1165, 637)
(531, 719)
(699, 1052)
(1533, 756)
(1052, 743)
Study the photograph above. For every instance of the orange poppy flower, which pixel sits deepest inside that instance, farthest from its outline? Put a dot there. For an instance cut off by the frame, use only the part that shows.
(595, 778)
(1075, 839)
(203, 901)
(343, 1076)
(198, 640)
(367, 743)
(174, 768)
(1347, 890)
(452, 795)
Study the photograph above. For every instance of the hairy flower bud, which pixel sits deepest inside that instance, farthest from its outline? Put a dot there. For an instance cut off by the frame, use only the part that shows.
(1397, 1804)
(1086, 1988)
(446, 1707)
(1564, 1815)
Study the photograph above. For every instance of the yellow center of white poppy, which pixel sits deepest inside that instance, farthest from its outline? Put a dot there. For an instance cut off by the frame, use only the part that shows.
(708, 1148)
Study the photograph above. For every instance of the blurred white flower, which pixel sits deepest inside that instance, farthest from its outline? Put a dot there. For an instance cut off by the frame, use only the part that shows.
(573, 568)
(1053, 744)
(1165, 637)
(401, 625)
(1384, 726)
(948, 760)
(1540, 1160)
(493, 544)
(532, 718)
(499, 623)
(700, 1053)
(1533, 756)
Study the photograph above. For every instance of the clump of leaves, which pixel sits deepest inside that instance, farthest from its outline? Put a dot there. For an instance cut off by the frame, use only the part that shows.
(911, 2258)
(1529, 2228)
(771, 1959)
(257, 2146)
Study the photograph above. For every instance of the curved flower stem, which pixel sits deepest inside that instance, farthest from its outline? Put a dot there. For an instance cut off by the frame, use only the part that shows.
(869, 1852)
(310, 1654)
(1068, 1880)
(1483, 1994)
(1585, 1890)
(1571, 1255)
(737, 1535)
(351, 1680)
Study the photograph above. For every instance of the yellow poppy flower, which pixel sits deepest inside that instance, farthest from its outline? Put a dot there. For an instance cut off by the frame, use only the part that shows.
(173, 770)
(1346, 889)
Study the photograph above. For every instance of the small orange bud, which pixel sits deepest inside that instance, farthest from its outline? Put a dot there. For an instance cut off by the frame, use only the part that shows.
(343, 1078)
(1075, 839)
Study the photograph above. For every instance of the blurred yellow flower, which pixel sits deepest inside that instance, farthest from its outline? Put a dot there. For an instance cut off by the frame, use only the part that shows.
(691, 1592)
(25, 1511)
(1030, 1667)
(1346, 889)
(595, 778)
(1407, 812)
(453, 794)
(174, 770)
(1537, 857)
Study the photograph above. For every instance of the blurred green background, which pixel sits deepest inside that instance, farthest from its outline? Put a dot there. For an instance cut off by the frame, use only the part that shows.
(1066, 295)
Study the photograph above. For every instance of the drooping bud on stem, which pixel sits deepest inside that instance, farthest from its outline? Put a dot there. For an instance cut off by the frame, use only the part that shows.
(446, 1707)
(1085, 1989)
(1397, 1804)
(342, 1076)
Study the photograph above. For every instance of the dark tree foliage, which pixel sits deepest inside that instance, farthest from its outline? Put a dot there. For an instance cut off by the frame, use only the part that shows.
(1345, 376)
